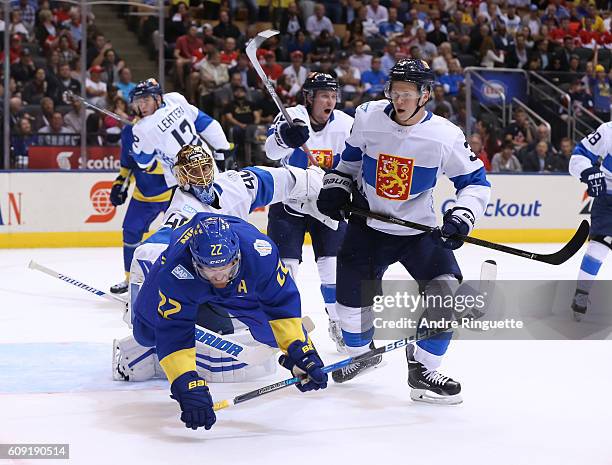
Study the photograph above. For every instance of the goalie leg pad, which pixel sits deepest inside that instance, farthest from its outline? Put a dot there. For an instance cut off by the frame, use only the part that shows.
(133, 362)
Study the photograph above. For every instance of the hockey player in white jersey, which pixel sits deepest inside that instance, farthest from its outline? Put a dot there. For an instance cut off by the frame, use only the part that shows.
(591, 162)
(168, 122)
(324, 131)
(235, 193)
(394, 155)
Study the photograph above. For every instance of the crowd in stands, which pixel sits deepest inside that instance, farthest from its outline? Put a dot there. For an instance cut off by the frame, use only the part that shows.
(45, 68)
(358, 41)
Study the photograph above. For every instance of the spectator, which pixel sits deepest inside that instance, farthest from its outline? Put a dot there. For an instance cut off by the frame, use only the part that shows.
(368, 25)
(210, 76)
(226, 28)
(490, 141)
(112, 64)
(240, 114)
(426, 48)
(300, 42)
(502, 39)
(541, 51)
(95, 53)
(56, 133)
(521, 130)
(376, 12)
(565, 54)
(112, 127)
(505, 161)
(392, 26)
(67, 53)
(24, 69)
(374, 80)
(188, 48)
(64, 83)
(74, 26)
(489, 54)
(95, 88)
(37, 88)
(437, 35)
(28, 14)
(295, 72)
(349, 79)
(16, 112)
(359, 59)
(561, 160)
(292, 21)
(319, 22)
(460, 118)
(229, 54)
(517, 55)
(392, 52)
(248, 75)
(324, 45)
(272, 69)
(532, 20)
(17, 26)
(441, 62)
(125, 84)
(600, 89)
(46, 32)
(580, 99)
(326, 66)
(476, 146)
(453, 80)
(438, 100)
(539, 160)
(511, 20)
(21, 143)
(47, 108)
(72, 119)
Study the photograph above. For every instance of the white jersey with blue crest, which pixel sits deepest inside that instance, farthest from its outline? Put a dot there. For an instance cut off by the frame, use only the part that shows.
(594, 148)
(325, 145)
(174, 124)
(396, 167)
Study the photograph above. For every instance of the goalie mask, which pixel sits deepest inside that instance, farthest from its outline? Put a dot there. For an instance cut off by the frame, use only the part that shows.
(195, 173)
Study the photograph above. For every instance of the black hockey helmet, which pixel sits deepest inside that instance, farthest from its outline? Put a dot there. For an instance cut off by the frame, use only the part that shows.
(319, 81)
(411, 70)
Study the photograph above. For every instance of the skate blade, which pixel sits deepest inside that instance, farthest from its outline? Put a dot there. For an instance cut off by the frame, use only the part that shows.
(422, 395)
(361, 373)
(578, 316)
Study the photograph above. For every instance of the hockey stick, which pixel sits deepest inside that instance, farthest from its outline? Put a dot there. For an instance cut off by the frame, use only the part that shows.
(557, 258)
(70, 96)
(35, 266)
(251, 51)
(327, 369)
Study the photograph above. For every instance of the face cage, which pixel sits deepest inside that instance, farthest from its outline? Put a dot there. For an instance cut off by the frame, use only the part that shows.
(208, 272)
(193, 173)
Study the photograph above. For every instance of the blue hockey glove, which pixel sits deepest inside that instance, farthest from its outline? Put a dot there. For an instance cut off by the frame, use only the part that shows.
(595, 181)
(192, 394)
(335, 194)
(458, 221)
(302, 358)
(117, 194)
(291, 136)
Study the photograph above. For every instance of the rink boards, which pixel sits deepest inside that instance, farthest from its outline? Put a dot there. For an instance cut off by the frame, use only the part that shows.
(72, 209)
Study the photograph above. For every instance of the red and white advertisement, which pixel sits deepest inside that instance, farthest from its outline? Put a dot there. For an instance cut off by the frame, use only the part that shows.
(69, 158)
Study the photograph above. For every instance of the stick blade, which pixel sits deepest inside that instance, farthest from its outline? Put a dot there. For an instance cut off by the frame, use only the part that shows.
(570, 249)
(260, 38)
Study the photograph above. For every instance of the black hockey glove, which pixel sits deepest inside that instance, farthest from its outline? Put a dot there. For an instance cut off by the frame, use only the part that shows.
(302, 359)
(335, 194)
(595, 181)
(117, 193)
(456, 222)
(192, 394)
(291, 136)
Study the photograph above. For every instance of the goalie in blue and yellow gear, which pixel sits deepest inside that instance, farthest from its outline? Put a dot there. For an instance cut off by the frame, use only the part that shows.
(226, 262)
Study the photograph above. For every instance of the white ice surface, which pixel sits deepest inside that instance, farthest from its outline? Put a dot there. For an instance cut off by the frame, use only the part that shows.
(525, 402)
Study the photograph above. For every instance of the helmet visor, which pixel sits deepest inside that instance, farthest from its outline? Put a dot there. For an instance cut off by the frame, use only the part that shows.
(218, 274)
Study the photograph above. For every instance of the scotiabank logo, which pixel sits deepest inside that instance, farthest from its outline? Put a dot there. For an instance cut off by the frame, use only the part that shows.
(10, 211)
(100, 201)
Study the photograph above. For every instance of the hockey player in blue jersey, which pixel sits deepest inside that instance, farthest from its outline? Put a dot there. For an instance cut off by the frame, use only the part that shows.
(324, 130)
(227, 262)
(393, 157)
(150, 198)
(591, 162)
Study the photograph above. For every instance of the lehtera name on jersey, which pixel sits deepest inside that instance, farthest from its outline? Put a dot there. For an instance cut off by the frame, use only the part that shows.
(167, 122)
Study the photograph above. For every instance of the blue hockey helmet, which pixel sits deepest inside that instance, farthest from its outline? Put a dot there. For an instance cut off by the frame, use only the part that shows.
(147, 87)
(215, 251)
